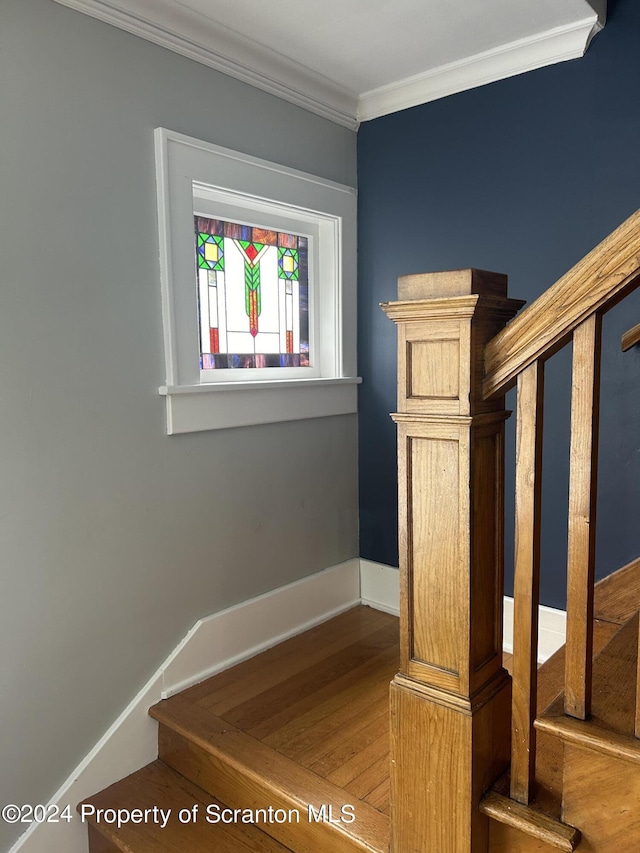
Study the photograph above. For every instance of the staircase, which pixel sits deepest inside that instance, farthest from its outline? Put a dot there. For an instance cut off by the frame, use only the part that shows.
(307, 723)
(586, 785)
(301, 732)
(303, 748)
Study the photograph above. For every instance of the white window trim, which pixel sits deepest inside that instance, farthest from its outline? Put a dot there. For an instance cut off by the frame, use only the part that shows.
(187, 167)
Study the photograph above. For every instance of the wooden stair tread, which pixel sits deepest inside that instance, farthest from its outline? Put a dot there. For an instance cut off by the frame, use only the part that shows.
(535, 824)
(158, 785)
(314, 731)
(243, 682)
(617, 597)
(611, 727)
(551, 672)
(307, 722)
(246, 773)
(515, 827)
(321, 699)
(548, 793)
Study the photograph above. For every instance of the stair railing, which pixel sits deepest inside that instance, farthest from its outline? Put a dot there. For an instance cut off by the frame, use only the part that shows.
(571, 309)
(458, 354)
(631, 338)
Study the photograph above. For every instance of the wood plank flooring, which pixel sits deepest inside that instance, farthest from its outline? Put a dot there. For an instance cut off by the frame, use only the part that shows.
(308, 722)
(321, 699)
(158, 787)
(617, 596)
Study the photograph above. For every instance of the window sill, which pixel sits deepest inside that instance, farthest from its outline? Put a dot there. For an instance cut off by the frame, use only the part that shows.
(221, 405)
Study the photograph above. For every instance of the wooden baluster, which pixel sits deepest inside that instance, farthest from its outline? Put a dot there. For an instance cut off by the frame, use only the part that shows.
(582, 516)
(527, 579)
(450, 702)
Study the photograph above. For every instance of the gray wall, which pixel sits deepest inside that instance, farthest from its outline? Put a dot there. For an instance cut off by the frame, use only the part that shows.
(114, 537)
(524, 177)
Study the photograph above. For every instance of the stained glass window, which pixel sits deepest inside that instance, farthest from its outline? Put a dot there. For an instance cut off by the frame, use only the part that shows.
(253, 296)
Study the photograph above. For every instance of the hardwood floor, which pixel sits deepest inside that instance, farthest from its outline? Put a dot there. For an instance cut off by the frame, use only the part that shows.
(158, 788)
(307, 722)
(321, 699)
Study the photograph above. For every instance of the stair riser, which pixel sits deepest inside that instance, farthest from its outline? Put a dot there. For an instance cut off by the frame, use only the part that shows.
(156, 786)
(99, 844)
(240, 787)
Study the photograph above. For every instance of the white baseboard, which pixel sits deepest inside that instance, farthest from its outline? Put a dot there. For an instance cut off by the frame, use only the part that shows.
(552, 629)
(213, 644)
(217, 643)
(379, 586)
(379, 589)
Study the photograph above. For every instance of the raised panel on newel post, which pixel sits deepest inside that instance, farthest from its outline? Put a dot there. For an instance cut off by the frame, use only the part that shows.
(450, 701)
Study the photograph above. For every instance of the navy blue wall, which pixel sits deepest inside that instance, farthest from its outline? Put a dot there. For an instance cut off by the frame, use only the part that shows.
(523, 176)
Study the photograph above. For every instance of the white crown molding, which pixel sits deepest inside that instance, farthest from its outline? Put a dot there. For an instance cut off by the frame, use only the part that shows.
(555, 45)
(179, 29)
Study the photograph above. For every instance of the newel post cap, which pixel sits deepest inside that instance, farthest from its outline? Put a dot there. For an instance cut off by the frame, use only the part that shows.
(450, 283)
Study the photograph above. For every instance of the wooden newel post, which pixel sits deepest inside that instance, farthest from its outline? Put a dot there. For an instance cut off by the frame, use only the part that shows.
(450, 702)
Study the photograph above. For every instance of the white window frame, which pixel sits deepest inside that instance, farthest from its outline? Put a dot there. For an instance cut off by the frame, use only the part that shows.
(198, 177)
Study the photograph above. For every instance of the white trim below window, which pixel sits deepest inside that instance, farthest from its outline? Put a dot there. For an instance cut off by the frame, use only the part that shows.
(191, 408)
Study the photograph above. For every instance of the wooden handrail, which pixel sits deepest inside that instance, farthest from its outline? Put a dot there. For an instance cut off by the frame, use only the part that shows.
(596, 283)
(631, 338)
(571, 309)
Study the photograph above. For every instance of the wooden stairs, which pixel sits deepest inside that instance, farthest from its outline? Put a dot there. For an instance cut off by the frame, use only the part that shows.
(587, 772)
(300, 731)
(306, 724)
(309, 744)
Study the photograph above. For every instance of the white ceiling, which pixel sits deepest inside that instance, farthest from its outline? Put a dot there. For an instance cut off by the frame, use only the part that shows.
(352, 60)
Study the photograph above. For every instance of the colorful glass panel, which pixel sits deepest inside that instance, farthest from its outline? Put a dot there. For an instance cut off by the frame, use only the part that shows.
(210, 252)
(288, 264)
(253, 296)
